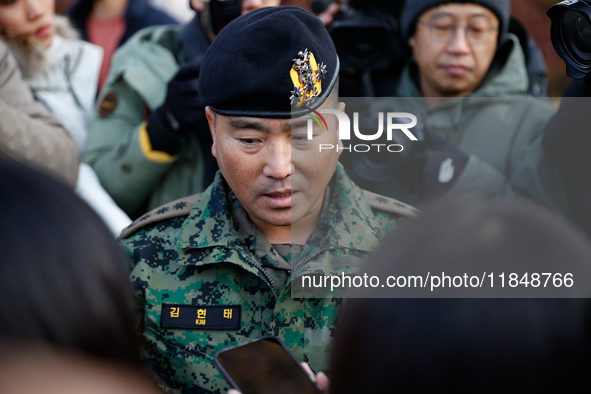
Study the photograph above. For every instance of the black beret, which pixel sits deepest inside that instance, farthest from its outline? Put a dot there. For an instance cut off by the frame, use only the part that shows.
(269, 62)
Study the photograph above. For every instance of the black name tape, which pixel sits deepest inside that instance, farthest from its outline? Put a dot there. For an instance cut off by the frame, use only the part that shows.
(219, 317)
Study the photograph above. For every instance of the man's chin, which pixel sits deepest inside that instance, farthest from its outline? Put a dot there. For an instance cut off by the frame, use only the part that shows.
(281, 220)
(456, 88)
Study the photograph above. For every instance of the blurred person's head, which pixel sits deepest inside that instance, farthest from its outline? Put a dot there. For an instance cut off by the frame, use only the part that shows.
(30, 21)
(453, 43)
(41, 368)
(259, 69)
(247, 5)
(251, 5)
(63, 276)
(469, 345)
(214, 17)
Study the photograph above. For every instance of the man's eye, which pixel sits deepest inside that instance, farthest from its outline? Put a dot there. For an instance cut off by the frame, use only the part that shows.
(442, 31)
(477, 29)
(299, 138)
(249, 141)
(443, 26)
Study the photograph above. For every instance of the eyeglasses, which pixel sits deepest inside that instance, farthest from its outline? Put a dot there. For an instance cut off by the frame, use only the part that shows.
(478, 30)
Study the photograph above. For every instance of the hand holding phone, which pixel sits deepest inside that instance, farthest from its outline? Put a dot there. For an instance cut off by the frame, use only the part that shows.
(264, 366)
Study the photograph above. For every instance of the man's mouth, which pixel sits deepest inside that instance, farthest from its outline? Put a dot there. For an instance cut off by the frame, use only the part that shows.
(455, 70)
(279, 199)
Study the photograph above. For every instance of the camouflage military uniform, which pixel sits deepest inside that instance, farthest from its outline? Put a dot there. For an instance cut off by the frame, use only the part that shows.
(214, 268)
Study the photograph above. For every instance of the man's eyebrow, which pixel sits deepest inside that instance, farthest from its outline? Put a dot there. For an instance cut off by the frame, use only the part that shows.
(299, 122)
(239, 123)
(476, 14)
(442, 13)
(482, 14)
(247, 123)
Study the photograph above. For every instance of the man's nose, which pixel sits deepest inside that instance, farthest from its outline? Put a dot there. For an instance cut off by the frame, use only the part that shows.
(278, 165)
(459, 43)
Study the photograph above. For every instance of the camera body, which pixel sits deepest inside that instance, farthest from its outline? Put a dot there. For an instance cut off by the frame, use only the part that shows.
(217, 14)
(366, 33)
(364, 40)
(571, 35)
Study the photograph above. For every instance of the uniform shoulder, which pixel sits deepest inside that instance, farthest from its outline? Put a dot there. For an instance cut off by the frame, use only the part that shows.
(389, 205)
(176, 208)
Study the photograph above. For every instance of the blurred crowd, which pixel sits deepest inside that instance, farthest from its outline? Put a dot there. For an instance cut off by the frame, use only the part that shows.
(110, 119)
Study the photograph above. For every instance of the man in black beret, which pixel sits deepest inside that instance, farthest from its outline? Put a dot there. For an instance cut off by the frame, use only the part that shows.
(217, 269)
(482, 135)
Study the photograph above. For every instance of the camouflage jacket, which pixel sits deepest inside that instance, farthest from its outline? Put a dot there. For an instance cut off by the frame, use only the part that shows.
(208, 280)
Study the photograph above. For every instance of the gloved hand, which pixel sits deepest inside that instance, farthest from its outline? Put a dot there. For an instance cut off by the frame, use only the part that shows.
(181, 113)
(431, 169)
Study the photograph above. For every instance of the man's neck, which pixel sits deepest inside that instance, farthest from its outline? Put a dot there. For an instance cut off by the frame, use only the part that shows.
(434, 102)
(434, 98)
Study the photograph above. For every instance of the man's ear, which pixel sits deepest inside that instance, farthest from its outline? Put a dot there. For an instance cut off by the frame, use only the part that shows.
(211, 121)
(412, 41)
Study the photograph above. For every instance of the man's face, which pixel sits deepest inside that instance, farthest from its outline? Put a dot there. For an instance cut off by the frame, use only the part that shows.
(247, 5)
(251, 5)
(454, 64)
(278, 175)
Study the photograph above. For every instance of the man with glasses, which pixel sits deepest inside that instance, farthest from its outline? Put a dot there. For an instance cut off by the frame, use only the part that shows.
(481, 135)
(454, 44)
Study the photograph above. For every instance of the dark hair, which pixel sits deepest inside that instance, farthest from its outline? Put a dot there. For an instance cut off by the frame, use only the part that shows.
(468, 345)
(63, 276)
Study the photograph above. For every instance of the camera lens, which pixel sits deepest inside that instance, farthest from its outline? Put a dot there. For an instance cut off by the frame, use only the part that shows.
(576, 36)
(366, 45)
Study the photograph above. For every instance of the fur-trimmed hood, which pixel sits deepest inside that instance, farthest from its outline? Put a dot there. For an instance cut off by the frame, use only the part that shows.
(64, 76)
(32, 59)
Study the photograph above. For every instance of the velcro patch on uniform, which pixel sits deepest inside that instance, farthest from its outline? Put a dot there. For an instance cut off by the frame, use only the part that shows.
(108, 105)
(219, 317)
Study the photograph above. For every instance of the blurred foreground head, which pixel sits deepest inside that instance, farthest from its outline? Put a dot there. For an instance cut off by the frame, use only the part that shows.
(63, 277)
(468, 345)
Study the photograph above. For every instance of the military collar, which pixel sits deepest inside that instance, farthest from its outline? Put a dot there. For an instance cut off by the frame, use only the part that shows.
(255, 241)
(210, 222)
(348, 218)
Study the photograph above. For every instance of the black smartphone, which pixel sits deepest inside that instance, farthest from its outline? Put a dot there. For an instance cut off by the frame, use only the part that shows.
(264, 366)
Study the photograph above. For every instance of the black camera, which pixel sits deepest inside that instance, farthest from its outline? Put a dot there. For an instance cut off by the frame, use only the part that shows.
(364, 36)
(571, 35)
(217, 14)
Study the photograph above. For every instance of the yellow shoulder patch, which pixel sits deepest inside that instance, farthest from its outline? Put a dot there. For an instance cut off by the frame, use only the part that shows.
(390, 205)
(176, 208)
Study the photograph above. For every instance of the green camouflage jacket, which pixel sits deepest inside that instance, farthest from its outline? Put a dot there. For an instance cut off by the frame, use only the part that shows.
(207, 280)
